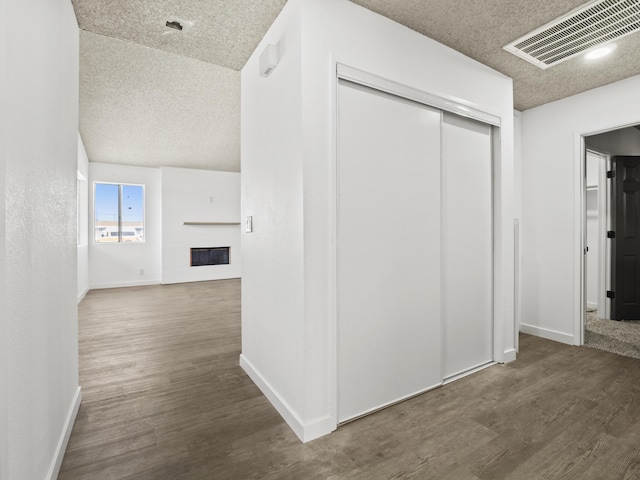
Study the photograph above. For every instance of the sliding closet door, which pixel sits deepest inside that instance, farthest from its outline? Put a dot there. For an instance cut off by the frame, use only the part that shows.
(389, 326)
(467, 247)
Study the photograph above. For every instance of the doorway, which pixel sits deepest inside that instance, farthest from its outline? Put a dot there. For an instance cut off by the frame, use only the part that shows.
(611, 224)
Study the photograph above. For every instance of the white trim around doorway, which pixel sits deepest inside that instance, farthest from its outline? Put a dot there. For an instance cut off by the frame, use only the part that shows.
(579, 152)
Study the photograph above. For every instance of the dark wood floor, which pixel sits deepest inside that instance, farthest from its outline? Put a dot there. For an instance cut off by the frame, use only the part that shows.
(164, 398)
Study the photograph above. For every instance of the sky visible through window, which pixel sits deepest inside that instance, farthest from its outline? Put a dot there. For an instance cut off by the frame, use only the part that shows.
(108, 200)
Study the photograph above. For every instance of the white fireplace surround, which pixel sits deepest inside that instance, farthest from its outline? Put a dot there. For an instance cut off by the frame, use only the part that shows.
(184, 208)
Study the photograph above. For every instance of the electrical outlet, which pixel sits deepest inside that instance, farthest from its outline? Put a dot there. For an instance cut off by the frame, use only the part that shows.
(142, 271)
(211, 199)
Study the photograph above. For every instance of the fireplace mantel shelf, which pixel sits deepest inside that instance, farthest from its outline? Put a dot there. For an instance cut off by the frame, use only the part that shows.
(211, 223)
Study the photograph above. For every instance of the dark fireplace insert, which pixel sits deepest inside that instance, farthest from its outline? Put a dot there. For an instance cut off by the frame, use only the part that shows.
(209, 256)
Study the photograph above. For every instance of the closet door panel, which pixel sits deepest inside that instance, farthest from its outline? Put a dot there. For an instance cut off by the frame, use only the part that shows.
(467, 244)
(389, 325)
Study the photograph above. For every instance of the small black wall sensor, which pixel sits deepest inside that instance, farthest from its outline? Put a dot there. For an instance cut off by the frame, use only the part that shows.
(174, 24)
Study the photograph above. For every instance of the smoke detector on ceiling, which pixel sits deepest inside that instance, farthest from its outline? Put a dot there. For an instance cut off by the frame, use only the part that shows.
(595, 23)
(179, 25)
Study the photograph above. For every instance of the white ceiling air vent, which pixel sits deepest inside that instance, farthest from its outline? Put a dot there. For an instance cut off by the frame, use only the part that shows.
(593, 24)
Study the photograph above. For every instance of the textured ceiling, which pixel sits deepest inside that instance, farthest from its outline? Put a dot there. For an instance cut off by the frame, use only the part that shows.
(480, 29)
(141, 105)
(145, 107)
(226, 32)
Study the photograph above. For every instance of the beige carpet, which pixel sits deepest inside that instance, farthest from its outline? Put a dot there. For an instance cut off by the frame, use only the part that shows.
(621, 337)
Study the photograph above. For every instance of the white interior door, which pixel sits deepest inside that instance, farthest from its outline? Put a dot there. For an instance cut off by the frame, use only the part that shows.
(389, 324)
(467, 244)
(592, 205)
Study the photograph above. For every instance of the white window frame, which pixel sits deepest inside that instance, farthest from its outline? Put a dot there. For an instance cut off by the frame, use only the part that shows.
(119, 226)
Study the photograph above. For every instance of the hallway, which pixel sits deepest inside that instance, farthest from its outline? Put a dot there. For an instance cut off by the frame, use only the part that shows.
(164, 398)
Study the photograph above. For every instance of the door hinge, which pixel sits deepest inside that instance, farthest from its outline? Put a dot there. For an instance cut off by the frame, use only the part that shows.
(611, 234)
(611, 294)
(611, 174)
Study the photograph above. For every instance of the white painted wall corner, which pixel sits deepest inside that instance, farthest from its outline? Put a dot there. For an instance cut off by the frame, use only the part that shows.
(58, 456)
(83, 294)
(305, 432)
(509, 355)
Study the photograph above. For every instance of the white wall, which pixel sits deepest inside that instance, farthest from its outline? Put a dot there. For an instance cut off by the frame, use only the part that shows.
(4, 323)
(39, 151)
(120, 264)
(288, 147)
(625, 141)
(517, 214)
(172, 196)
(273, 255)
(199, 196)
(83, 220)
(551, 208)
(592, 229)
(517, 164)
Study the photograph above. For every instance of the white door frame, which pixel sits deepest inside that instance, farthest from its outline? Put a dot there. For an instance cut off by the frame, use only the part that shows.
(579, 155)
(604, 222)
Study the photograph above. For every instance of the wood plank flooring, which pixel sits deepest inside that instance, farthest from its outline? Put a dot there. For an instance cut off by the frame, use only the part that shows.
(164, 398)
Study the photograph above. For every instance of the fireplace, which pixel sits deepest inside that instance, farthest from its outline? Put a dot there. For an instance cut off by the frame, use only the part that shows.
(209, 256)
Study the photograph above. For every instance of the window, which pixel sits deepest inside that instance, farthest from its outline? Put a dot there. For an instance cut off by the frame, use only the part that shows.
(118, 213)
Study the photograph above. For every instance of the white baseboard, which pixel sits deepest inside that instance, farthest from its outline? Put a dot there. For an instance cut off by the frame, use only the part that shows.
(465, 373)
(548, 334)
(138, 283)
(169, 277)
(172, 280)
(83, 294)
(56, 462)
(510, 355)
(319, 428)
(592, 305)
(305, 432)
